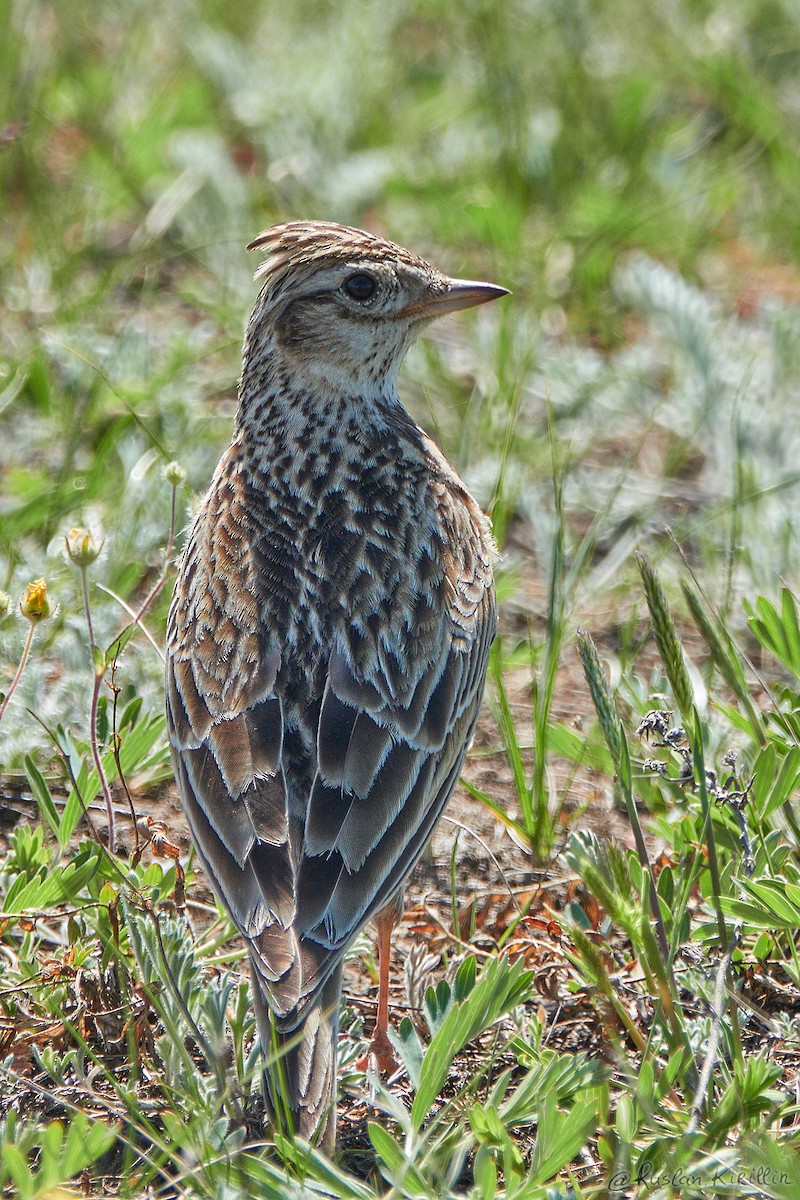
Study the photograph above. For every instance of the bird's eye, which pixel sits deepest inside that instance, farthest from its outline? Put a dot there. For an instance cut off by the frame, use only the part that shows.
(360, 286)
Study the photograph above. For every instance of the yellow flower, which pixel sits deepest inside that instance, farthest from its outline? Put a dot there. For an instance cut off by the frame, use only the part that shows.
(34, 604)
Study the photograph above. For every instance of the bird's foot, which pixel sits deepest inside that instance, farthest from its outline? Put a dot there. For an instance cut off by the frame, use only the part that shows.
(380, 1054)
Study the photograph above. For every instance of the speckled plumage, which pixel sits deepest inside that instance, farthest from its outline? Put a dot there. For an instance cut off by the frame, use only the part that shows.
(329, 632)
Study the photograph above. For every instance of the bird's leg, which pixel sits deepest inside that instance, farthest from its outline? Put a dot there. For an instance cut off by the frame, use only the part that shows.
(380, 1048)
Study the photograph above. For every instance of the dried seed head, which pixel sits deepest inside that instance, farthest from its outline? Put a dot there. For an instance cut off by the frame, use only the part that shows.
(33, 603)
(82, 547)
(675, 737)
(5, 604)
(654, 766)
(174, 474)
(655, 724)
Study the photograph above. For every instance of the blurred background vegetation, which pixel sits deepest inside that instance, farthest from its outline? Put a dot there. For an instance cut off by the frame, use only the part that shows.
(629, 168)
(562, 147)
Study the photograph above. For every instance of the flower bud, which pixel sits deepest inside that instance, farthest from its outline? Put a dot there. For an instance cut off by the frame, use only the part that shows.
(82, 547)
(174, 474)
(33, 604)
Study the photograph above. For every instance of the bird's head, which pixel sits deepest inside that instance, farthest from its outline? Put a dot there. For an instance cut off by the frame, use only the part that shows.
(342, 306)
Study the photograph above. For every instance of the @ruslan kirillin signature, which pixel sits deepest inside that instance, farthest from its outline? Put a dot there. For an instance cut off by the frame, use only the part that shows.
(681, 1177)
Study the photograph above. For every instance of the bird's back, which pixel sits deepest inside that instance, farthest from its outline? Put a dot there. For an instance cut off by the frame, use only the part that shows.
(327, 652)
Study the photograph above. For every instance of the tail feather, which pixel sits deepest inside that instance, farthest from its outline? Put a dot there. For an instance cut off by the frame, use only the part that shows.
(300, 1075)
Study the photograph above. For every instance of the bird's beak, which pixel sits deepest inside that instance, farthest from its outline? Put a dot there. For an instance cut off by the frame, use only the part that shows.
(459, 293)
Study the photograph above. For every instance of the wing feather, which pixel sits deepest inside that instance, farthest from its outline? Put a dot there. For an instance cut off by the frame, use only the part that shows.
(370, 816)
(301, 871)
(370, 745)
(237, 884)
(372, 837)
(328, 807)
(191, 719)
(335, 729)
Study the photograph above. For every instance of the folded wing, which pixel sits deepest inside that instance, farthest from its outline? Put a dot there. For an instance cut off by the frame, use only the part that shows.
(390, 742)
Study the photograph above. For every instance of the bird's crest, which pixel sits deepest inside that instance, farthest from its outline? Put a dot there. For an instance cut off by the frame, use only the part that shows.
(298, 243)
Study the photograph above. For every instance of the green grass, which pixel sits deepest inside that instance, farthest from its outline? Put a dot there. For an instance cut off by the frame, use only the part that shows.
(631, 171)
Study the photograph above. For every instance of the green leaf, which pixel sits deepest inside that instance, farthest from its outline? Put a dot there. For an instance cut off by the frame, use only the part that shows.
(116, 647)
(499, 989)
(791, 632)
(559, 1075)
(131, 713)
(406, 1041)
(143, 749)
(585, 749)
(16, 1165)
(774, 896)
(773, 785)
(310, 1163)
(41, 793)
(750, 914)
(490, 1133)
(85, 1142)
(438, 1003)
(508, 732)
(779, 634)
(37, 384)
(465, 978)
(560, 1136)
(73, 811)
(485, 1172)
(399, 1166)
(517, 828)
(384, 1145)
(53, 887)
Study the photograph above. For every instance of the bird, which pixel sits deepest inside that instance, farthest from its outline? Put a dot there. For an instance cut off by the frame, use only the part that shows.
(328, 636)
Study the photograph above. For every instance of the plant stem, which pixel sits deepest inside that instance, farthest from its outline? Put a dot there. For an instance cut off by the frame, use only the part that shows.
(23, 660)
(87, 607)
(98, 664)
